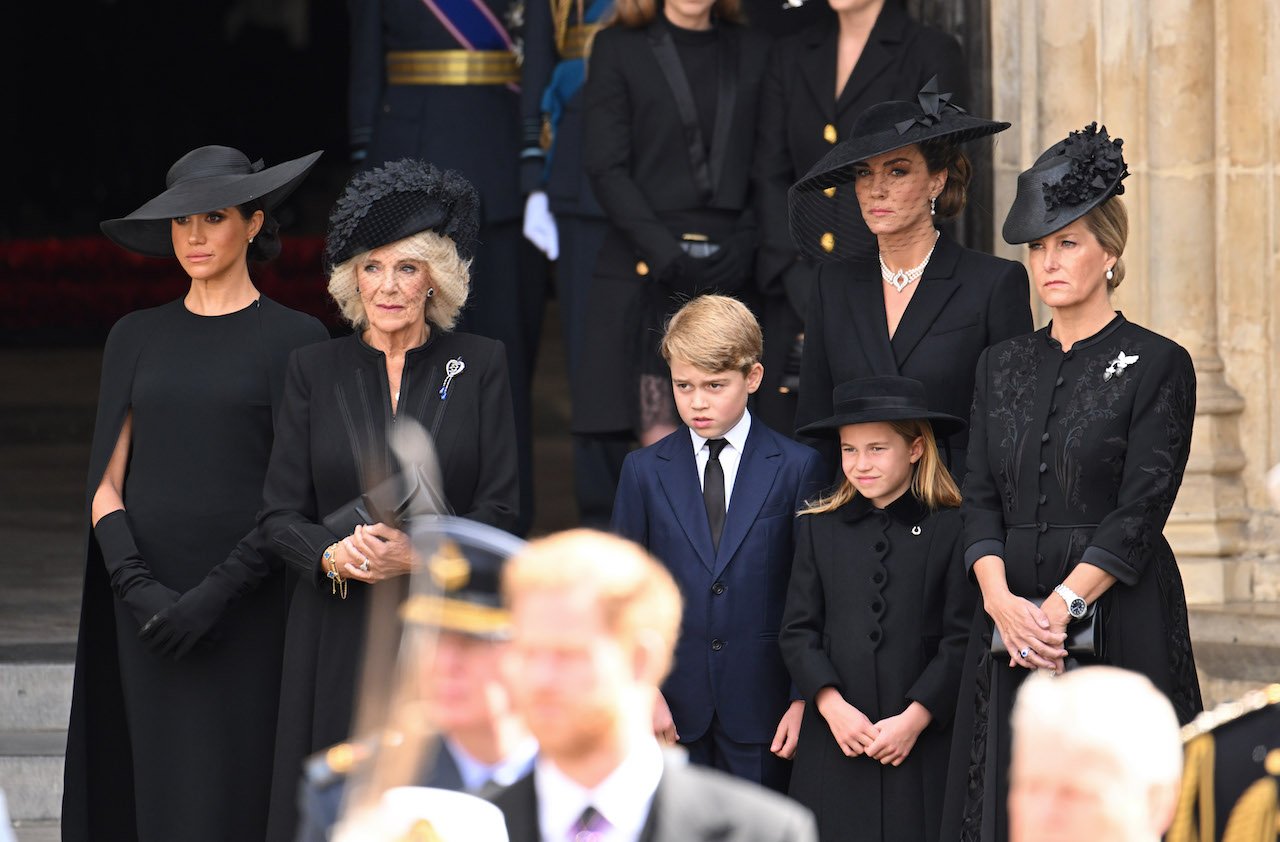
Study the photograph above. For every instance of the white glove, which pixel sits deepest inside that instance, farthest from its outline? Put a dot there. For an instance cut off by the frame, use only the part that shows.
(540, 225)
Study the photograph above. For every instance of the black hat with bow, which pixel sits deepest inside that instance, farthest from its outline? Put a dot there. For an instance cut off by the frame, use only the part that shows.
(1071, 178)
(887, 398)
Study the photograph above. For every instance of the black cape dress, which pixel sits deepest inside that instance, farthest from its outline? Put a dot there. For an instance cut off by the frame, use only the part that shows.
(162, 749)
(1073, 457)
(878, 607)
(333, 445)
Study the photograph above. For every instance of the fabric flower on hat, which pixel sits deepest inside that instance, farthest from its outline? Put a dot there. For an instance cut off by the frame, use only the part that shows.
(1097, 165)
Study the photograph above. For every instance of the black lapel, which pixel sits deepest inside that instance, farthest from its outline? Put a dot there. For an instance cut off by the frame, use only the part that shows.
(937, 285)
(877, 55)
(726, 101)
(870, 328)
(664, 50)
(519, 804)
(817, 65)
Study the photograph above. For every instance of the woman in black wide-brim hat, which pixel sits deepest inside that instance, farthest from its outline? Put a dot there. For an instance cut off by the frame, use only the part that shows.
(876, 619)
(182, 620)
(1080, 434)
(399, 246)
(925, 307)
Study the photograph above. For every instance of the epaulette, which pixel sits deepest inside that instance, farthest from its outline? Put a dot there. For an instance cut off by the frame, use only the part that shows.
(1227, 711)
(334, 763)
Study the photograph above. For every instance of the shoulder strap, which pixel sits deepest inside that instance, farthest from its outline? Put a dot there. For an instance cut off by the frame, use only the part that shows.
(664, 49)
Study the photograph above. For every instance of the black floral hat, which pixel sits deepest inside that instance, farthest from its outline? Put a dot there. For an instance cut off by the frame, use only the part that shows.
(400, 199)
(824, 226)
(205, 179)
(1070, 179)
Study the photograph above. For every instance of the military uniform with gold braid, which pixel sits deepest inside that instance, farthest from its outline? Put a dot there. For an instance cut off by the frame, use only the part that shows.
(1231, 773)
(350, 787)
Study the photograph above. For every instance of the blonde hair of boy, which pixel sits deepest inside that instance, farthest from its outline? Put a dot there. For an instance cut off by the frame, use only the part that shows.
(931, 482)
(714, 333)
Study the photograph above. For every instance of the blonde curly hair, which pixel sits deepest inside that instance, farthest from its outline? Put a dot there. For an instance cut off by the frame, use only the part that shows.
(450, 275)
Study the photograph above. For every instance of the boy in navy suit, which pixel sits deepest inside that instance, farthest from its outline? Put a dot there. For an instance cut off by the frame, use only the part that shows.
(716, 503)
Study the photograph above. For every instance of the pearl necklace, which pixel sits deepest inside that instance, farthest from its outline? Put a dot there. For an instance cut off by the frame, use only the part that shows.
(902, 278)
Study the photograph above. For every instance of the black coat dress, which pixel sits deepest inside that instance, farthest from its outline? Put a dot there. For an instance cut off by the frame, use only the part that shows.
(332, 446)
(642, 166)
(800, 120)
(158, 748)
(967, 300)
(1070, 465)
(881, 613)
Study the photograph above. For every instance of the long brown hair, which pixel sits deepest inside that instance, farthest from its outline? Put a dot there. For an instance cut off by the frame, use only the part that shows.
(931, 482)
(637, 14)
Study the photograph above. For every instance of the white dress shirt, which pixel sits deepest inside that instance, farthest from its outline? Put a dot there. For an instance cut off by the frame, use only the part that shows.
(623, 798)
(730, 456)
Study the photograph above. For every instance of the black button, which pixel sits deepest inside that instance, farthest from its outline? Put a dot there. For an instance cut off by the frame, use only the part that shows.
(1044, 437)
(1044, 498)
(1043, 590)
(877, 577)
(1039, 559)
(717, 644)
(874, 637)
(1043, 527)
(876, 606)
(1060, 382)
(717, 588)
(879, 547)
(1053, 408)
(1043, 467)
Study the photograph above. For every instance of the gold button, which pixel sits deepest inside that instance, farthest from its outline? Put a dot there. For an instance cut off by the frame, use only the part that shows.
(642, 268)
(829, 133)
(830, 192)
(828, 242)
(1272, 763)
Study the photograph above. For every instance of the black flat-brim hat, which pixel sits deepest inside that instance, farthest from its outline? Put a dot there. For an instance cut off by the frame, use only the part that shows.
(1068, 180)
(883, 127)
(397, 200)
(458, 586)
(871, 399)
(205, 179)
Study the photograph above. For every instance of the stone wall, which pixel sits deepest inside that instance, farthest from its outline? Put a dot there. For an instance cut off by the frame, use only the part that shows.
(1193, 87)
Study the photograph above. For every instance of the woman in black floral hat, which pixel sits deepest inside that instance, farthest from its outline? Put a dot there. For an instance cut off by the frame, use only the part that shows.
(1079, 437)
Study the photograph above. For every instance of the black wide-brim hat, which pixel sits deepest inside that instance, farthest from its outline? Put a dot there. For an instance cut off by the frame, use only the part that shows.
(870, 399)
(816, 226)
(1068, 180)
(397, 200)
(458, 587)
(205, 179)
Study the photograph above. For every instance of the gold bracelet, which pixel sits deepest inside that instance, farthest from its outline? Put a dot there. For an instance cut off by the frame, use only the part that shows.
(337, 584)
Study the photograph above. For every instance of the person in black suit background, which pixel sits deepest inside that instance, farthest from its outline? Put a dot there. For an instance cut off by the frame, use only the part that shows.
(439, 82)
(671, 99)
(926, 307)
(819, 81)
(594, 623)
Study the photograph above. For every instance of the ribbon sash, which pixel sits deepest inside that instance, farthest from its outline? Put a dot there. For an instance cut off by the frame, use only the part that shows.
(472, 23)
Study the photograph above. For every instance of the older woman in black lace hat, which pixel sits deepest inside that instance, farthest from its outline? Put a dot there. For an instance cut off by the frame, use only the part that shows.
(1080, 434)
(912, 302)
(182, 621)
(400, 241)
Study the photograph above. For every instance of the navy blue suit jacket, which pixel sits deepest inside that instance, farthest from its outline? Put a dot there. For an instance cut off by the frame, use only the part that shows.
(727, 659)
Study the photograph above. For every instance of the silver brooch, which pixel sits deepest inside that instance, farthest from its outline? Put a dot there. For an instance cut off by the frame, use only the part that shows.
(1117, 366)
(451, 370)
(915, 530)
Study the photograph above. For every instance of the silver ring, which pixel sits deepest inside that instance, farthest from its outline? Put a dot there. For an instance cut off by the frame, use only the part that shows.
(1024, 653)
(364, 565)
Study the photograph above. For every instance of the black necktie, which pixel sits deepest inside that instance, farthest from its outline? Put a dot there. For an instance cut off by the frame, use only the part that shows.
(713, 490)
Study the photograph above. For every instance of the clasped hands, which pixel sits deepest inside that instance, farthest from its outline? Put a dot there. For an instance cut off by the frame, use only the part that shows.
(374, 553)
(890, 740)
(1033, 635)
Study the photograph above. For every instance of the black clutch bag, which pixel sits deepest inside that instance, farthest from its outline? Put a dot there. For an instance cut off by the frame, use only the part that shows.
(394, 501)
(1084, 636)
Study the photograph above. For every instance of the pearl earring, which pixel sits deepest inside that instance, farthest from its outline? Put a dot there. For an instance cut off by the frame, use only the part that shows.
(933, 206)
(251, 240)
(1110, 274)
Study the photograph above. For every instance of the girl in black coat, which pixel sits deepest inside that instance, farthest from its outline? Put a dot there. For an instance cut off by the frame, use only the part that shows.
(876, 618)
(926, 307)
(670, 97)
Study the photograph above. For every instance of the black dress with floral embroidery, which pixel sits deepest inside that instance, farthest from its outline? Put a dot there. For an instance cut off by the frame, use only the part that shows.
(1073, 457)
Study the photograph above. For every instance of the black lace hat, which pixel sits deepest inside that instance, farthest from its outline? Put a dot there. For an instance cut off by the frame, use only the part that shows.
(1071, 178)
(400, 199)
(205, 179)
(824, 227)
(886, 398)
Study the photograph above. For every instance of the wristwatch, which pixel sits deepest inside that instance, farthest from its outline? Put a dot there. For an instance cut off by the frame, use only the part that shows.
(1075, 605)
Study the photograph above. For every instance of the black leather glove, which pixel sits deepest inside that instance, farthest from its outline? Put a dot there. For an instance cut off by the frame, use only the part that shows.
(685, 275)
(176, 630)
(131, 578)
(731, 266)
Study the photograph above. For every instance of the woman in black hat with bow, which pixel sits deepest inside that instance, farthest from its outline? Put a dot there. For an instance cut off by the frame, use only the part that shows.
(1080, 434)
(877, 615)
(400, 241)
(913, 302)
(175, 692)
